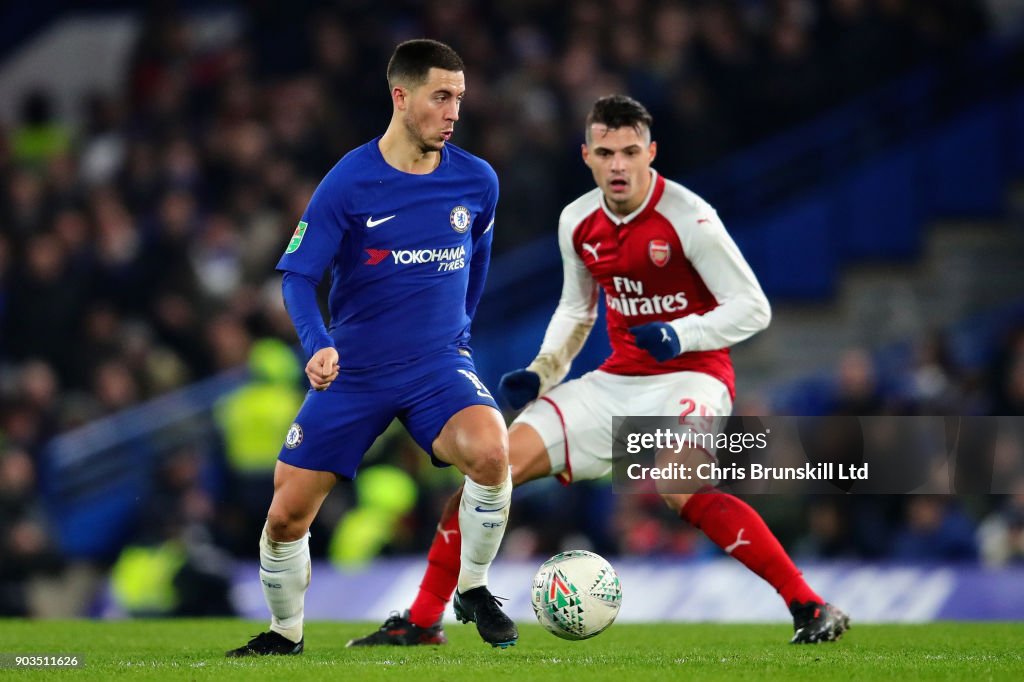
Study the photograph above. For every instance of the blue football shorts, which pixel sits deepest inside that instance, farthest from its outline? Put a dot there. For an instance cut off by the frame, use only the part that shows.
(335, 427)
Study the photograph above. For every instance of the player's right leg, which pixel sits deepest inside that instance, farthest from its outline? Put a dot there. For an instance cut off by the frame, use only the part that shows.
(332, 431)
(740, 531)
(284, 558)
(726, 520)
(421, 623)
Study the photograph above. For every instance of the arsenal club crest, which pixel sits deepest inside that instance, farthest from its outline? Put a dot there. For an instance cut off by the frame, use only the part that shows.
(659, 251)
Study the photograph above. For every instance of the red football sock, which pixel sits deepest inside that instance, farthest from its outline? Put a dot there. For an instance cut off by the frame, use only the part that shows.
(735, 527)
(442, 574)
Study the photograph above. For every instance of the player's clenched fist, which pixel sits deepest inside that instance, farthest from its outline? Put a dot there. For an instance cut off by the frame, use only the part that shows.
(322, 368)
(657, 338)
(519, 387)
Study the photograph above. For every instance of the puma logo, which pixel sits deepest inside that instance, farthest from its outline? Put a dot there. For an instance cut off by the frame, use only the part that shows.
(445, 533)
(664, 336)
(739, 542)
(592, 250)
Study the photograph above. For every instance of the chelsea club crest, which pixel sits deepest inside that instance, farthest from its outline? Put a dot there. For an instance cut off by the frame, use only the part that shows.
(459, 219)
(294, 437)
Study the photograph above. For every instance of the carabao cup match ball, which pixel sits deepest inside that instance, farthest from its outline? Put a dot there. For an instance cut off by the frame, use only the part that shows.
(576, 594)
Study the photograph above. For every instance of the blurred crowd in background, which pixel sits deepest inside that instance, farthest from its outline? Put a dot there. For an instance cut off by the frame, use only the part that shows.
(137, 255)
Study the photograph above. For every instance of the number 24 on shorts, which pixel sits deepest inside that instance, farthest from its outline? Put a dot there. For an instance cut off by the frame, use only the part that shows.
(703, 421)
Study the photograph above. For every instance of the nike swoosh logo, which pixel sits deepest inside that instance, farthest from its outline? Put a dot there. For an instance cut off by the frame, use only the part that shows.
(489, 510)
(370, 222)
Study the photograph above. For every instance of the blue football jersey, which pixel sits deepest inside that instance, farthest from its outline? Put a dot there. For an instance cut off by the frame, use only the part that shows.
(399, 247)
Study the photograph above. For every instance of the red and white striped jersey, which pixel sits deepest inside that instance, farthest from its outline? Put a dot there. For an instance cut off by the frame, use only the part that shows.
(672, 261)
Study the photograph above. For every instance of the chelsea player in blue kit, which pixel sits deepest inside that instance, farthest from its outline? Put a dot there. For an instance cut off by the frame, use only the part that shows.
(405, 225)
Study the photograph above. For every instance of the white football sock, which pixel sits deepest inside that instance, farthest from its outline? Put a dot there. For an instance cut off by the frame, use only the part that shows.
(483, 513)
(284, 574)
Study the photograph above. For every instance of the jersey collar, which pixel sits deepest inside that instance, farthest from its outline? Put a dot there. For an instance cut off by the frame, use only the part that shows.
(655, 188)
(374, 144)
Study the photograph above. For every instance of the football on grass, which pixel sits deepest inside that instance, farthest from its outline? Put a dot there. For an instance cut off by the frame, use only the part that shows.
(576, 594)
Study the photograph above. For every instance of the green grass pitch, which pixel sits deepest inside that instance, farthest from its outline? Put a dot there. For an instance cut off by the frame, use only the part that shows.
(193, 650)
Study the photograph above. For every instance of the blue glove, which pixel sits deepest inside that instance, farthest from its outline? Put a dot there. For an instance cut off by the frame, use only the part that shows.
(519, 387)
(657, 338)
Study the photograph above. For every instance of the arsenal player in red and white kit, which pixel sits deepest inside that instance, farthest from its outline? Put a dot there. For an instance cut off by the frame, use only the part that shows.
(678, 295)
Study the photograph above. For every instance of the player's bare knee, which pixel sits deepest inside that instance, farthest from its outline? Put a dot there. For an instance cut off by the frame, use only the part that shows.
(487, 464)
(283, 527)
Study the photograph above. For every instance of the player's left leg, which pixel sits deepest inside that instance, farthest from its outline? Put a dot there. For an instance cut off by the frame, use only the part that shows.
(421, 623)
(539, 446)
(529, 460)
(450, 413)
(475, 440)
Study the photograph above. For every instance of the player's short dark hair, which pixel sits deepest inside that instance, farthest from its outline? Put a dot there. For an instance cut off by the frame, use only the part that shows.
(412, 60)
(619, 111)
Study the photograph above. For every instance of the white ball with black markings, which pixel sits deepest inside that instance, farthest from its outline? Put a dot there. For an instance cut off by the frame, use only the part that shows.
(576, 594)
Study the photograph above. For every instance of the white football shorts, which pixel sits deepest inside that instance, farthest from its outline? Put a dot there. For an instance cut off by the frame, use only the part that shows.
(574, 419)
